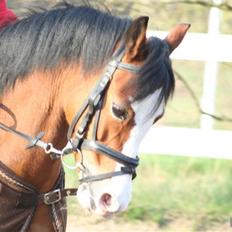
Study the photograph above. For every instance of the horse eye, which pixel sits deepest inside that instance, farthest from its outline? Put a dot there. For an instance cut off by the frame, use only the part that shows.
(119, 112)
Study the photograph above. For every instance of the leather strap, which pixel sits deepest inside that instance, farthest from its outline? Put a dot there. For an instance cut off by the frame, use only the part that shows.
(123, 171)
(113, 154)
(34, 141)
(56, 195)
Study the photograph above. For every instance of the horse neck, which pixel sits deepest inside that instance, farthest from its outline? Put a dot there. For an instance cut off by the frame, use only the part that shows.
(34, 104)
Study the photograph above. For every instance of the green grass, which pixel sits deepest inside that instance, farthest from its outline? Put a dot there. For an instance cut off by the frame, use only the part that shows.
(168, 188)
(172, 187)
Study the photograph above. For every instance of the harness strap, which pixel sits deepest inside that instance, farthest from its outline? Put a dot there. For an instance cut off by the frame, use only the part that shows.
(124, 66)
(76, 119)
(97, 119)
(124, 170)
(34, 141)
(113, 154)
(49, 198)
(56, 195)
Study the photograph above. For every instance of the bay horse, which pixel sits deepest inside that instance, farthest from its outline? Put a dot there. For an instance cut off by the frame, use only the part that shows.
(93, 84)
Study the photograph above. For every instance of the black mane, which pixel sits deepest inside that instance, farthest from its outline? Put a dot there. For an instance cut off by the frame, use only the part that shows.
(156, 72)
(69, 33)
(64, 34)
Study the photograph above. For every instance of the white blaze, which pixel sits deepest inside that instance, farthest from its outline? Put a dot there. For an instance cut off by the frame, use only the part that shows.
(120, 187)
(144, 118)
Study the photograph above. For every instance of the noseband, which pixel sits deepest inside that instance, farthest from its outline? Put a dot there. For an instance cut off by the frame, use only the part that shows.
(90, 108)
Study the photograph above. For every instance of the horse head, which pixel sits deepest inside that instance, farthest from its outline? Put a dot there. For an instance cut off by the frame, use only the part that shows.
(129, 96)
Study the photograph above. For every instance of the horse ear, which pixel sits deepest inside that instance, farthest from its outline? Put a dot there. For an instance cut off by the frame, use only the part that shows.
(135, 37)
(176, 35)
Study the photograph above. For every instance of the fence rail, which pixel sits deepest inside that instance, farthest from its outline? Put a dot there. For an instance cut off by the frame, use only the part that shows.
(188, 142)
(201, 47)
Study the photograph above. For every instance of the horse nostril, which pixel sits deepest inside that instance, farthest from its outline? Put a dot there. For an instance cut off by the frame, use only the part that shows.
(109, 203)
(106, 200)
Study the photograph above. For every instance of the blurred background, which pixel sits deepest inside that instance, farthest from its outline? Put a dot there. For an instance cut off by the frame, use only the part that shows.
(179, 187)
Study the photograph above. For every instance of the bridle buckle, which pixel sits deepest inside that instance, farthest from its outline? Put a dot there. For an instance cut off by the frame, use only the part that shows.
(52, 197)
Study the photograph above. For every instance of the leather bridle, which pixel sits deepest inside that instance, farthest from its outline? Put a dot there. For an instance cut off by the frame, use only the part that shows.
(90, 108)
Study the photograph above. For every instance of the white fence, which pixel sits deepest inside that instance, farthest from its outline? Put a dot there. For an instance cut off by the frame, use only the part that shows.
(210, 48)
(188, 142)
(201, 47)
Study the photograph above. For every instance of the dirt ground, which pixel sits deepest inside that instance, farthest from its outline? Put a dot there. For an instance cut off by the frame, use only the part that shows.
(88, 223)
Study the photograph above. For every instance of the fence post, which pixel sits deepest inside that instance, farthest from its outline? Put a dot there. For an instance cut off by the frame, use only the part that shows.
(211, 70)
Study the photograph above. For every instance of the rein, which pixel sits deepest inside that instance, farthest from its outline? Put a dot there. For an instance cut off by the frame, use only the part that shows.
(90, 108)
